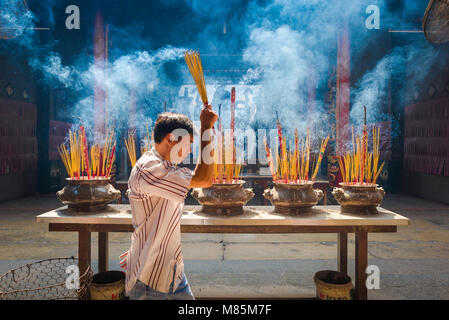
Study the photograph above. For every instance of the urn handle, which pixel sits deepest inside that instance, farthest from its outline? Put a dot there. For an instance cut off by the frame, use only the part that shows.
(115, 194)
(319, 193)
(249, 193)
(339, 194)
(60, 194)
(268, 194)
(195, 193)
(381, 191)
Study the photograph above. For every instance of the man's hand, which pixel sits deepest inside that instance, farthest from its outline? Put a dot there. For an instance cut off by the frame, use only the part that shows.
(208, 117)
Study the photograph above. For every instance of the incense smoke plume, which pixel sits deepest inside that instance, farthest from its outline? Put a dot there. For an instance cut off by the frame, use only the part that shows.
(372, 90)
(285, 48)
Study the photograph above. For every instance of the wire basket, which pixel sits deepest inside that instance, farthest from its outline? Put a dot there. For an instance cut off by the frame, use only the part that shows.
(44, 280)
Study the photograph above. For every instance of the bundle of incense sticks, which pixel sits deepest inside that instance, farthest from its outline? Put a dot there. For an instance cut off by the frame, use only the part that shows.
(85, 151)
(360, 167)
(270, 159)
(219, 154)
(226, 171)
(130, 144)
(233, 117)
(95, 159)
(131, 148)
(193, 61)
(82, 162)
(282, 146)
(147, 141)
(292, 166)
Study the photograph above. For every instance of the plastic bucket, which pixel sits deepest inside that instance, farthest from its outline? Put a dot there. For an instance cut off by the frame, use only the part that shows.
(108, 285)
(333, 285)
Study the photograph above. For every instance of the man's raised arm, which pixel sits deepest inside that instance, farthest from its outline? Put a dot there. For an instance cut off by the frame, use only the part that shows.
(204, 170)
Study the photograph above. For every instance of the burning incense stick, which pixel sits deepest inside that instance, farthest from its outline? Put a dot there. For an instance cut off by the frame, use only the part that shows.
(296, 155)
(233, 118)
(220, 148)
(320, 157)
(364, 146)
(147, 141)
(283, 148)
(111, 161)
(86, 152)
(94, 160)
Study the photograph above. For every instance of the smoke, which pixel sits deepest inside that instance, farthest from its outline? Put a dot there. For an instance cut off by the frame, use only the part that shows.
(401, 64)
(16, 23)
(286, 46)
(282, 63)
(129, 77)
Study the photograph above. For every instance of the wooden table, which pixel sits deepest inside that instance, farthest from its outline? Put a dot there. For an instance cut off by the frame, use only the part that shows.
(256, 219)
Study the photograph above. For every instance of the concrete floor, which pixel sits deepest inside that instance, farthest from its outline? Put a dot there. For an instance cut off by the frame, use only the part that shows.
(413, 263)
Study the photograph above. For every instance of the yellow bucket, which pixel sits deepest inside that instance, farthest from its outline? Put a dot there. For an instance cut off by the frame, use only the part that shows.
(332, 285)
(108, 285)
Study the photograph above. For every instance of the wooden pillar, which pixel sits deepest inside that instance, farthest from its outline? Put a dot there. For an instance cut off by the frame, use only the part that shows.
(361, 262)
(103, 251)
(342, 247)
(84, 248)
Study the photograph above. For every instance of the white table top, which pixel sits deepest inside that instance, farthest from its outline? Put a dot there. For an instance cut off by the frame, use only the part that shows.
(253, 215)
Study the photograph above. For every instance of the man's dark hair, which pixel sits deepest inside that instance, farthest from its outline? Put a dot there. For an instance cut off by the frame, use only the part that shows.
(169, 121)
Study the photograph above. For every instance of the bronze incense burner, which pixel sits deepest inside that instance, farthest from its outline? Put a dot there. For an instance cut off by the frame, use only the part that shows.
(293, 199)
(223, 199)
(88, 194)
(359, 199)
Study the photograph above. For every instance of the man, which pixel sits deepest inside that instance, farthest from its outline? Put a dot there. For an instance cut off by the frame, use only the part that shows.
(157, 189)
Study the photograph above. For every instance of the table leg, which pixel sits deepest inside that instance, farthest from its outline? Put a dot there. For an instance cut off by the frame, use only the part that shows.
(103, 251)
(361, 263)
(342, 247)
(84, 248)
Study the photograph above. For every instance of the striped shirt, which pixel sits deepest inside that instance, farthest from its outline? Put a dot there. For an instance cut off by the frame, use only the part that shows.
(157, 190)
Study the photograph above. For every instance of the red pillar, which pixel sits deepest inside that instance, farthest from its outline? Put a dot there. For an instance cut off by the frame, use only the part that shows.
(343, 90)
(99, 90)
